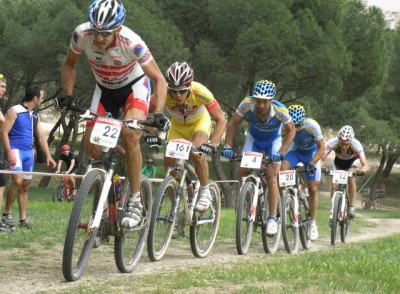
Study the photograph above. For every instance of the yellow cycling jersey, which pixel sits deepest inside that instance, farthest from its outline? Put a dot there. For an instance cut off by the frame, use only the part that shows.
(196, 106)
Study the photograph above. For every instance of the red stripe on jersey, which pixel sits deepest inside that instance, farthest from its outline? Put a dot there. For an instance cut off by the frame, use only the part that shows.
(111, 73)
(212, 105)
(117, 67)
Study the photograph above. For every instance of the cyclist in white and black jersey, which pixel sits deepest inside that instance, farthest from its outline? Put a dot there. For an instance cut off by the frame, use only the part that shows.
(123, 67)
(349, 154)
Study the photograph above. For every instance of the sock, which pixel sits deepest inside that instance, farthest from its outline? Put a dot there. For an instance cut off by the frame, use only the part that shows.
(273, 217)
(135, 196)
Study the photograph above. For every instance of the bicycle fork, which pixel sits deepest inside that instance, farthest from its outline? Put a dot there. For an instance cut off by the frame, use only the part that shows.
(102, 200)
(254, 202)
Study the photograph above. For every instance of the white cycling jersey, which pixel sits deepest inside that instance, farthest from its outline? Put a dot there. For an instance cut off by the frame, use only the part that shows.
(355, 149)
(118, 65)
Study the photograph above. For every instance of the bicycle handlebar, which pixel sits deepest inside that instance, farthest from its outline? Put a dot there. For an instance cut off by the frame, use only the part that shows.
(238, 157)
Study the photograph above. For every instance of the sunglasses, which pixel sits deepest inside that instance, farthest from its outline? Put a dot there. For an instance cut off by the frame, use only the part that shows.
(298, 126)
(344, 142)
(176, 91)
(102, 33)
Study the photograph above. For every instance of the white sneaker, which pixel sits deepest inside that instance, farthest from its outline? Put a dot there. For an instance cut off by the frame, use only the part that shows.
(204, 201)
(133, 214)
(272, 227)
(313, 230)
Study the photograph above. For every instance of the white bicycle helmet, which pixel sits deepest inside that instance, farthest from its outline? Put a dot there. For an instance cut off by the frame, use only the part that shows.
(179, 74)
(346, 134)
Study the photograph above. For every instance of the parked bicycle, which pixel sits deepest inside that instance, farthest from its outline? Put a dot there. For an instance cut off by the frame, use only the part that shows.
(296, 219)
(98, 209)
(174, 204)
(340, 204)
(370, 204)
(61, 191)
(252, 205)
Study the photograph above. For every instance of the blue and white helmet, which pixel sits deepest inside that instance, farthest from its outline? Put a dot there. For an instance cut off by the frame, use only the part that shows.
(106, 14)
(297, 113)
(264, 90)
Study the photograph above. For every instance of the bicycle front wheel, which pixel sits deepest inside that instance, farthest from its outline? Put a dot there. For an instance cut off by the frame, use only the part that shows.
(271, 243)
(244, 227)
(345, 223)
(129, 244)
(58, 193)
(290, 229)
(203, 231)
(304, 221)
(79, 239)
(337, 196)
(162, 219)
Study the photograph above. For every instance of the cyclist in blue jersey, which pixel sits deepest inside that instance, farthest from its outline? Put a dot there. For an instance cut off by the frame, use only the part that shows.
(308, 147)
(266, 117)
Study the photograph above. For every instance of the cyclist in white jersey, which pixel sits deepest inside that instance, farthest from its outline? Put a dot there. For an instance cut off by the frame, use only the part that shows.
(349, 153)
(123, 67)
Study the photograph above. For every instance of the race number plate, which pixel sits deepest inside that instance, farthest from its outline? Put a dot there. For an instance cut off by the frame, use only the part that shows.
(287, 178)
(339, 177)
(251, 160)
(106, 132)
(178, 148)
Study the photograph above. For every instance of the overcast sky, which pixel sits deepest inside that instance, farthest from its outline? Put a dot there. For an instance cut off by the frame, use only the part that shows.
(386, 5)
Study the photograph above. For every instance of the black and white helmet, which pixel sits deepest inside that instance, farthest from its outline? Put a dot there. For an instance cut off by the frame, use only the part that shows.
(346, 134)
(179, 74)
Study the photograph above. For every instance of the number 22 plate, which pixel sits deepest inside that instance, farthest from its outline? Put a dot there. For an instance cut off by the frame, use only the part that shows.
(106, 132)
(178, 148)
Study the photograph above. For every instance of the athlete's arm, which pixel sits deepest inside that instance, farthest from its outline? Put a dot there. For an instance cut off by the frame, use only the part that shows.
(217, 115)
(160, 89)
(230, 131)
(9, 121)
(364, 164)
(43, 144)
(68, 72)
(320, 152)
(59, 166)
(290, 134)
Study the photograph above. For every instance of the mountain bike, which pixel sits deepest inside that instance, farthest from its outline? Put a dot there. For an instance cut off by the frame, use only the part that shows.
(175, 203)
(296, 219)
(252, 206)
(340, 204)
(98, 210)
(61, 191)
(370, 204)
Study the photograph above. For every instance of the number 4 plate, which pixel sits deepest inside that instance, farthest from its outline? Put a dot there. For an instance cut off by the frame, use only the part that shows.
(251, 160)
(287, 178)
(178, 148)
(339, 177)
(106, 132)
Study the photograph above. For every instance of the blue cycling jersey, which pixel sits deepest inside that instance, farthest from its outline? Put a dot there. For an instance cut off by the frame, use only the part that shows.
(21, 133)
(265, 131)
(305, 140)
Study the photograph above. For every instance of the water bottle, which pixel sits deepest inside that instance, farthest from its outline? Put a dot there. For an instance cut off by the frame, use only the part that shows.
(118, 192)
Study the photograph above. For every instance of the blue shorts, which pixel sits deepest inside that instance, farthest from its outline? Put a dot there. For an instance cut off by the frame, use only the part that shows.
(25, 161)
(305, 157)
(266, 146)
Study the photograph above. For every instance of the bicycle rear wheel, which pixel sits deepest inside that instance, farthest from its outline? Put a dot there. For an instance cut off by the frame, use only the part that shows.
(335, 216)
(244, 227)
(162, 219)
(345, 223)
(290, 230)
(129, 244)
(203, 231)
(58, 193)
(79, 239)
(304, 221)
(271, 243)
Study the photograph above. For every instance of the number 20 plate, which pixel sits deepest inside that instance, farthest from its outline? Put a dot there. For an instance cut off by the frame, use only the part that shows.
(106, 132)
(287, 178)
(178, 148)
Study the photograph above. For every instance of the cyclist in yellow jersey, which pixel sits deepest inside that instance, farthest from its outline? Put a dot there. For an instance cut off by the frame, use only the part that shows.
(192, 106)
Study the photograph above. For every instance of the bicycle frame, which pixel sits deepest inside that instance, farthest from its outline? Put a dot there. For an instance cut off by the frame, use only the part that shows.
(257, 179)
(340, 191)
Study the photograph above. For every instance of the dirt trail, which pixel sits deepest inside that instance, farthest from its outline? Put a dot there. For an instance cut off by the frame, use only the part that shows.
(41, 272)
